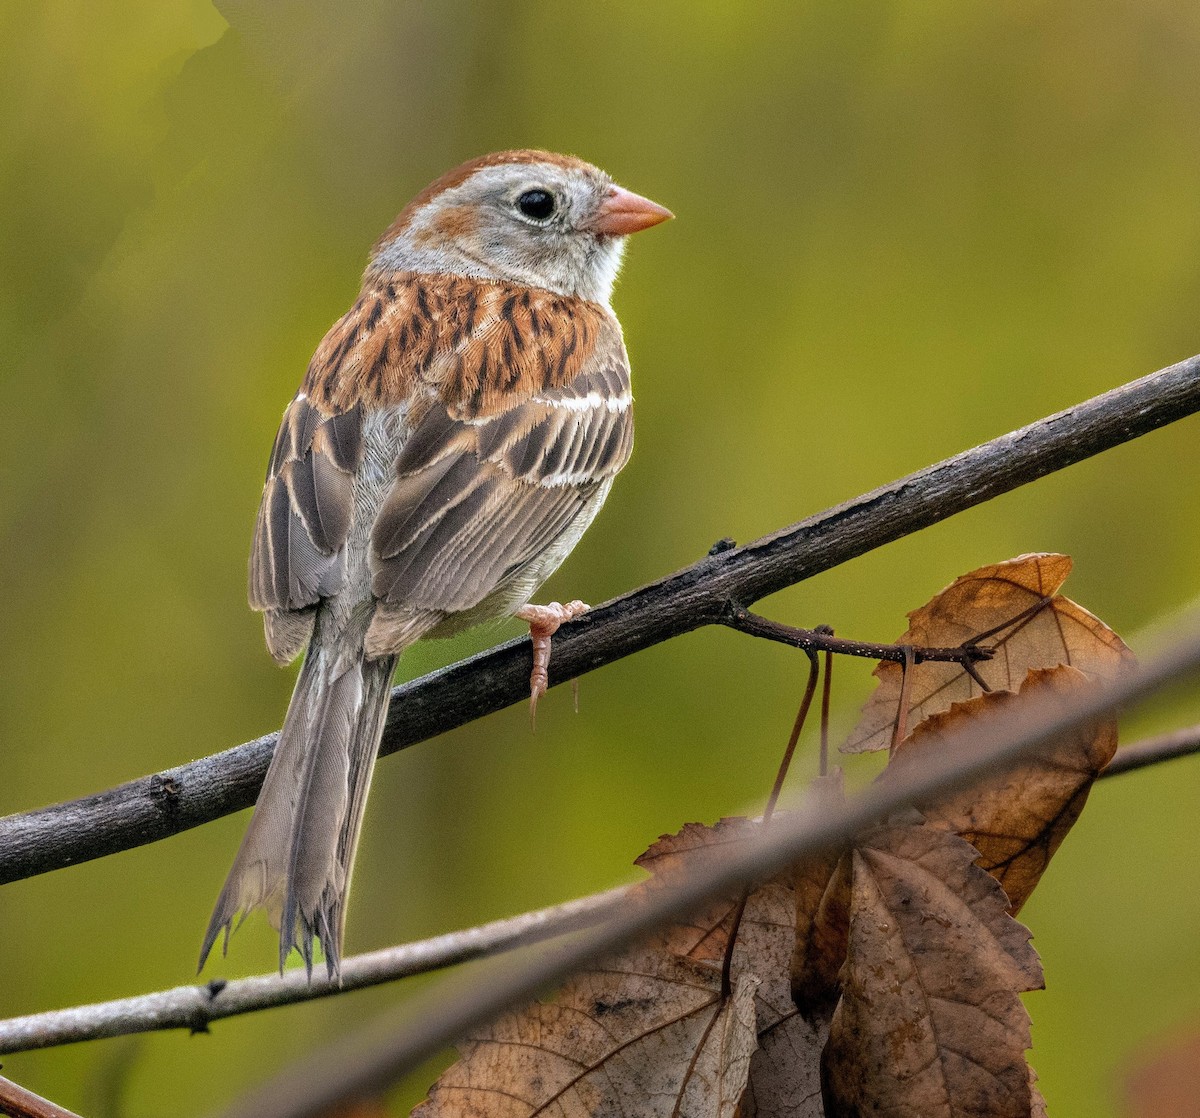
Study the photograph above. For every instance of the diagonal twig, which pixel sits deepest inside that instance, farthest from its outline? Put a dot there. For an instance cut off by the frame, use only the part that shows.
(194, 1007)
(369, 1060)
(822, 639)
(1152, 751)
(163, 804)
(17, 1102)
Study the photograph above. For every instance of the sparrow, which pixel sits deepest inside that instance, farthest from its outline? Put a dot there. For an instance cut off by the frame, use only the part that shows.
(456, 432)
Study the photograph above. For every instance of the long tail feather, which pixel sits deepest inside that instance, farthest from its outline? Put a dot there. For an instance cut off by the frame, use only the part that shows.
(298, 851)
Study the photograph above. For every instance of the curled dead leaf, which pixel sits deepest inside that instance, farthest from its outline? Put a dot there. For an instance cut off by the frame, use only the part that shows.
(1017, 820)
(766, 930)
(822, 886)
(648, 1033)
(1038, 629)
(822, 933)
(930, 1021)
(1037, 1104)
(784, 1076)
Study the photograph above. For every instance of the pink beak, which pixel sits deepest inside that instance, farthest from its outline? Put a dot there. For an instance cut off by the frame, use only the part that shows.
(624, 212)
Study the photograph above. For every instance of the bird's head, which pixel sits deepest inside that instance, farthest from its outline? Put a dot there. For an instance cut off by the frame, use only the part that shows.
(528, 217)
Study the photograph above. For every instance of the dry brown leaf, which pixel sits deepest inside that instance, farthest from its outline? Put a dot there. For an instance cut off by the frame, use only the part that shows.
(784, 1078)
(687, 851)
(1061, 633)
(1037, 1104)
(785, 1072)
(1019, 819)
(645, 1034)
(930, 1020)
(766, 931)
(822, 934)
(822, 887)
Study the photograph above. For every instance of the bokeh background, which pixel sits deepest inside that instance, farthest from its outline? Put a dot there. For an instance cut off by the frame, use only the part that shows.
(903, 228)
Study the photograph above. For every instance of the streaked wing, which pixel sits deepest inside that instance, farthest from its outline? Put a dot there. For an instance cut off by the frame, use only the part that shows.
(307, 508)
(478, 498)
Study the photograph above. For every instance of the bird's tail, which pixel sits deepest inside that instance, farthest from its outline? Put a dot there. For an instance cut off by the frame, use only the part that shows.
(298, 851)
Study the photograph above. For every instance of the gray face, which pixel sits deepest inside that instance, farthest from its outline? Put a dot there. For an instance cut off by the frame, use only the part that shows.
(524, 222)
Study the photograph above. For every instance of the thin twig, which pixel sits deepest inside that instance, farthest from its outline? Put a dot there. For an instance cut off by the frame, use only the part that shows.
(369, 1060)
(195, 1007)
(16, 1102)
(826, 698)
(789, 750)
(900, 726)
(163, 804)
(1150, 751)
(821, 639)
(188, 1006)
(810, 689)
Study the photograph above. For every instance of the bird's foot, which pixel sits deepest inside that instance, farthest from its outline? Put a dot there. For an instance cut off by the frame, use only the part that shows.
(544, 622)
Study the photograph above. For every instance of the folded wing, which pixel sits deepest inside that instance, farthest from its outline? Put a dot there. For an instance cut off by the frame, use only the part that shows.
(486, 503)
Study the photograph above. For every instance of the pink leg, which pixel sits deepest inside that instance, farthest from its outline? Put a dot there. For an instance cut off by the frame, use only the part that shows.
(543, 624)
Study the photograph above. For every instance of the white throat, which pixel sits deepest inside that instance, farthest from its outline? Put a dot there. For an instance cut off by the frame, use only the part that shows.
(590, 276)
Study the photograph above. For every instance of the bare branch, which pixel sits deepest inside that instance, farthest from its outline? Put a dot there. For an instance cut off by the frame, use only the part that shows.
(368, 1061)
(154, 807)
(1150, 751)
(194, 1007)
(17, 1102)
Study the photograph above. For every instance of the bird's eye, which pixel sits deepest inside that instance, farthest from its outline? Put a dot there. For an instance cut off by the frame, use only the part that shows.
(537, 204)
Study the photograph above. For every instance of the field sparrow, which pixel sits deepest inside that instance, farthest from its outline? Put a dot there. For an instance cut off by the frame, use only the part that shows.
(458, 429)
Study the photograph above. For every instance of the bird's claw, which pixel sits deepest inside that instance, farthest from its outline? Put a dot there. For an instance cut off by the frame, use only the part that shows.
(544, 622)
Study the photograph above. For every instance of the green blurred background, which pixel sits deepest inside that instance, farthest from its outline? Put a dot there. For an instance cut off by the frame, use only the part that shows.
(903, 228)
